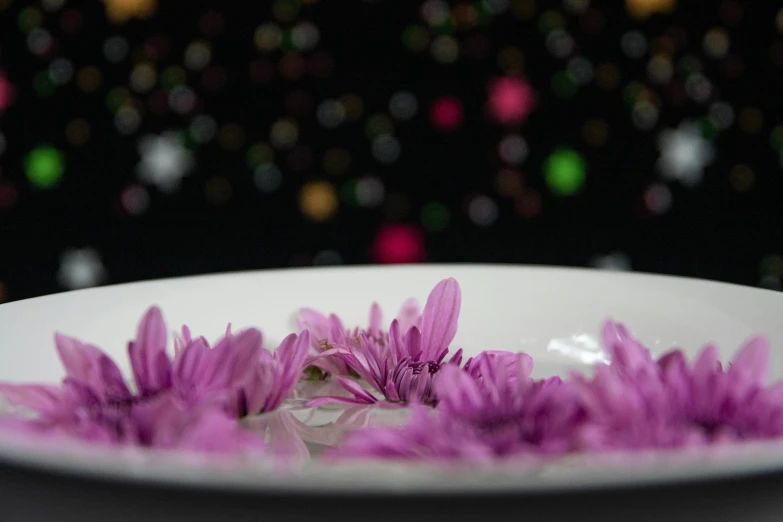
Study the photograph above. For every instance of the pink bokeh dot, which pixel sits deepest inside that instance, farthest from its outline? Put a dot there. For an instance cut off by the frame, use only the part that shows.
(446, 113)
(6, 92)
(510, 100)
(397, 243)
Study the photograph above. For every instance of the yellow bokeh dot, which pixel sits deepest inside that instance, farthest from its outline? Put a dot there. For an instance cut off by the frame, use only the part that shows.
(644, 8)
(742, 178)
(318, 200)
(120, 11)
(89, 78)
(750, 120)
(595, 132)
(78, 132)
(716, 43)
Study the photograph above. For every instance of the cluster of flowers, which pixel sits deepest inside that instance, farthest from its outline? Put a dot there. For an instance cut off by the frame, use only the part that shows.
(486, 407)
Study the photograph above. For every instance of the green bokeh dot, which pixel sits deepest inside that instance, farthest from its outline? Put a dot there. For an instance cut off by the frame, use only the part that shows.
(435, 217)
(565, 172)
(44, 167)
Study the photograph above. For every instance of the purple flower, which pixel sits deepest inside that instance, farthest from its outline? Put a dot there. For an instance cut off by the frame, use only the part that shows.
(169, 423)
(274, 377)
(201, 373)
(637, 402)
(328, 332)
(94, 403)
(402, 366)
(495, 409)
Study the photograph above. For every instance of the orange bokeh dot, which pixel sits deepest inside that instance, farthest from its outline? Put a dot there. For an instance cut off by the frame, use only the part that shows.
(318, 200)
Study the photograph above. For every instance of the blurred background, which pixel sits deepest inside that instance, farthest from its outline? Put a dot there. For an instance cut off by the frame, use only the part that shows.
(152, 138)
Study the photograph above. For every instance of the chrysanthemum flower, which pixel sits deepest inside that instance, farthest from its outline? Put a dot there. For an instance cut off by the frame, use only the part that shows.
(326, 332)
(494, 410)
(401, 367)
(637, 402)
(175, 402)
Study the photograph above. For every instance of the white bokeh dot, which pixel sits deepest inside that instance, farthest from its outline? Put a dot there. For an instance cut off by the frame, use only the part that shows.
(483, 211)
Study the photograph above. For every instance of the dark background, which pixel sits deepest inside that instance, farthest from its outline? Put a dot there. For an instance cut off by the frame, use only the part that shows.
(76, 210)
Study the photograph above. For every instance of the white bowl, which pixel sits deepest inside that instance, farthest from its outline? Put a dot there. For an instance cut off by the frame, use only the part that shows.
(552, 313)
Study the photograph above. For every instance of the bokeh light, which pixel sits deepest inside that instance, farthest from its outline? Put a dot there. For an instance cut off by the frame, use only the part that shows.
(483, 211)
(510, 100)
(398, 243)
(435, 216)
(6, 92)
(565, 172)
(44, 167)
(446, 113)
(645, 8)
(318, 200)
(513, 149)
(120, 11)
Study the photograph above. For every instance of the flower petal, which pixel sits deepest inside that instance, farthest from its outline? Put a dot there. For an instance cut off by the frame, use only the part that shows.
(440, 317)
(151, 366)
(753, 360)
(409, 316)
(41, 398)
(90, 366)
(376, 318)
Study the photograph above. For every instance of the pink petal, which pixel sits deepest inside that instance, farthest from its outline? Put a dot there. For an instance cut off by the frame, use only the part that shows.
(625, 351)
(334, 399)
(114, 386)
(753, 360)
(456, 390)
(354, 388)
(409, 315)
(37, 397)
(439, 321)
(314, 321)
(707, 363)
(187, 367)
(397, 347)
(151, 366)
(376, 318)
(80, 360)
(89, 365)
